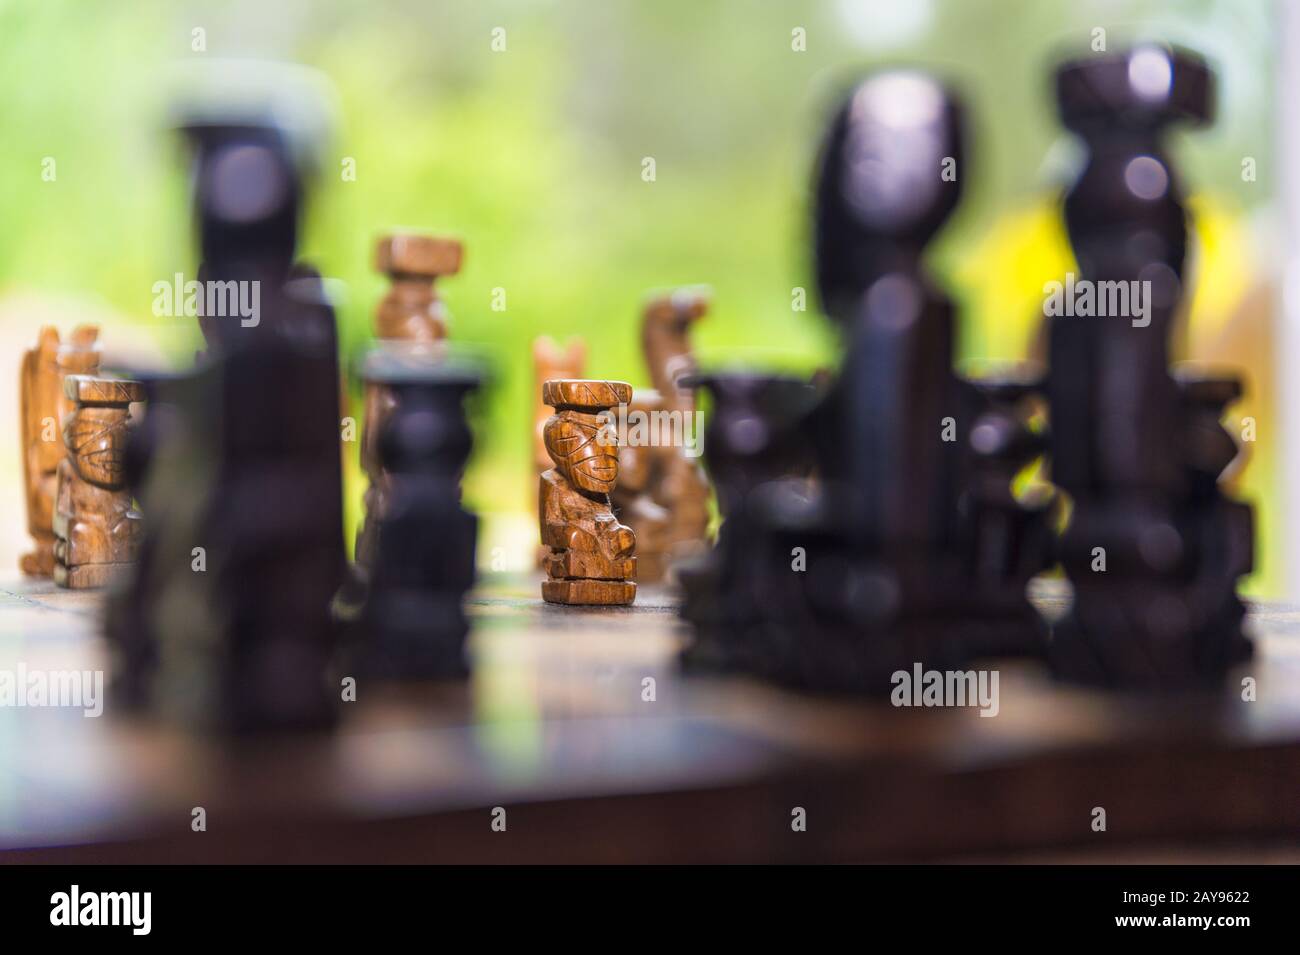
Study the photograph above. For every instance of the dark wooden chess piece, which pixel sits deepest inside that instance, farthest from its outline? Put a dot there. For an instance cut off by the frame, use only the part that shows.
(243, 571)
(754, 450)
(412, 624)
(96, 528)
(907, 549)
(42, 404)
(662, 494)
(154, 459)
(410, 312)
(1154, 549)
(592, 558)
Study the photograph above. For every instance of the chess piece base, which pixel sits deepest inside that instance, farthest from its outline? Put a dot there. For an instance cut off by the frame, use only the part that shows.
(584, 592)
(90, 576)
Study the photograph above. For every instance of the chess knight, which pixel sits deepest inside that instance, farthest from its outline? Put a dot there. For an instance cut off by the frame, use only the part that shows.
(663, 493)
(97, 532)
(591, 554)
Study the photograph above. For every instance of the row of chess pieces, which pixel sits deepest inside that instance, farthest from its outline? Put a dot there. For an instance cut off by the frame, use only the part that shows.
(868, 516)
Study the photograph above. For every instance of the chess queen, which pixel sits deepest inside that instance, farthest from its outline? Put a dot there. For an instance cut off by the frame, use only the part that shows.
(591, 555)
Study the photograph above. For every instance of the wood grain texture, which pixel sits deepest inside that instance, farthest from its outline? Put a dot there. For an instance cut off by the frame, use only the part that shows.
(591, 559)
(97, 531)
(589, 771)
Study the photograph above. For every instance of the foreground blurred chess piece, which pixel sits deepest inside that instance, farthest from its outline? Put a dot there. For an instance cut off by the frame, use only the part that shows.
(753, 446)
(42, 404)
(907, 549)
(1154, 549)
(662, 493)
(234, 629)
(591, 559)
(413, 624)
(96, 530)
(410, 312)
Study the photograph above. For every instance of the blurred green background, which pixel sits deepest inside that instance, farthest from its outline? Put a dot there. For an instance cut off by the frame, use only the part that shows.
(533, 155)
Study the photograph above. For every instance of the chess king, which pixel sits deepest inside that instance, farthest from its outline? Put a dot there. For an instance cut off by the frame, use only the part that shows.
(97, 532)
(591, 558)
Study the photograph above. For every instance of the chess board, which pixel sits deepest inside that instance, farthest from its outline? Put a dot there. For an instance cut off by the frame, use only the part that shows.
(578, 724)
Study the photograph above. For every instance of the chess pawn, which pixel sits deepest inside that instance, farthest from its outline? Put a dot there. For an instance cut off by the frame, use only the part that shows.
(411, 311)
(592, 555)
(96, 529)
(413, 624)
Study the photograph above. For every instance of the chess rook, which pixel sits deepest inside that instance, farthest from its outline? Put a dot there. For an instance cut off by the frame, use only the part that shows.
(591, 559)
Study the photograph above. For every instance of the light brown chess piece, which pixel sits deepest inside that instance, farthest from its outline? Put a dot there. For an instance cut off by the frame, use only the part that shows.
(411, 313)
(591, 557)
(42, 405)
(663, 493)
(97, 532)
(550, 362)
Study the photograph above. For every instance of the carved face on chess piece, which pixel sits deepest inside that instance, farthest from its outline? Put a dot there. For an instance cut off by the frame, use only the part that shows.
(583, 450)
(550, 361)
(96, 437)
(590, 559)
(96, 528)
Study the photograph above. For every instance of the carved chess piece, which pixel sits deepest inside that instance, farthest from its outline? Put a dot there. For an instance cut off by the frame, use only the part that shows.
(551, 361)
(592, 555)
(42, 405)
(413, 624)
(411, 312)
(96, 529)
(662, 492)
(1154, 548)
